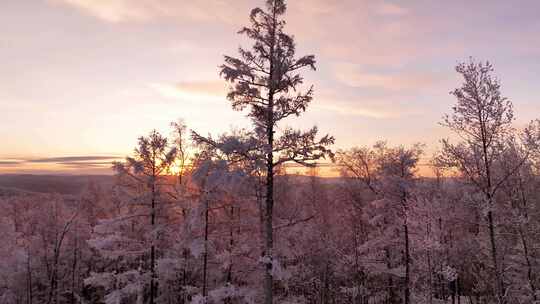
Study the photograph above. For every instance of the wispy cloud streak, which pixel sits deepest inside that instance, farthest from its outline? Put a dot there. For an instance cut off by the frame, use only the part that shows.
(71, 159)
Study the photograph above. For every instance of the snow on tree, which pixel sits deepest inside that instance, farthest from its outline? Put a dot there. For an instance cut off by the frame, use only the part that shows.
(482, 117)
(265, 80)
(389, 173)
(127, 237)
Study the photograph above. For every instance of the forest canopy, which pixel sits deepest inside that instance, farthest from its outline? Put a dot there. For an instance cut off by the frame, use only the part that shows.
(217, 218)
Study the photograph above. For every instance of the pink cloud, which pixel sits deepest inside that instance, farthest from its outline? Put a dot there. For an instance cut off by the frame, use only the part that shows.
(354, 76)
(391, 9)
(192, 90)
(355, 110)
(213, 88)
(116, 11)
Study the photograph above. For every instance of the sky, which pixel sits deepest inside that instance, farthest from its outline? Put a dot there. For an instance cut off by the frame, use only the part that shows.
(81, 80)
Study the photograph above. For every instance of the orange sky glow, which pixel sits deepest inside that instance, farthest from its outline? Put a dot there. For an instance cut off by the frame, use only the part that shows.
(82, 79)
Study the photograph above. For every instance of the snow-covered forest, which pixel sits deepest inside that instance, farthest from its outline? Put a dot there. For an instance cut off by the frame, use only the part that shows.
(194, 218)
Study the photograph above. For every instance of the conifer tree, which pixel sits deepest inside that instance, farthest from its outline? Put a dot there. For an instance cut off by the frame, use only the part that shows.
(265, 80)
(145, 172)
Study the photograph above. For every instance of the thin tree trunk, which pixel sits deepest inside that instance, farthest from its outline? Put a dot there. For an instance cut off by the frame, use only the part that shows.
(529, 266)
(185, 255)
(184, 276)
(440, 286)
(458, 283)
(500, 286)
(356, 266)
(205, 254)
(407, 265)
(153, 247)
(29, 274)
(74, 267)
(52, 281)
(430, 276)
(530, 278)
(489, 197)
(231, 247)
(390, 293)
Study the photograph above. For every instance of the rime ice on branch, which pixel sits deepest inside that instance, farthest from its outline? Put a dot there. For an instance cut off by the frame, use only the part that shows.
(265, 80)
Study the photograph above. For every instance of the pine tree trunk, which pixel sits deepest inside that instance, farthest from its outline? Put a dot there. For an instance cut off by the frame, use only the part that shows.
(269, 230)
(269, 235)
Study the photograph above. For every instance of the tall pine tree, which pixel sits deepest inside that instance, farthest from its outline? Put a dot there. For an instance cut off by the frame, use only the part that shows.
(265, 80)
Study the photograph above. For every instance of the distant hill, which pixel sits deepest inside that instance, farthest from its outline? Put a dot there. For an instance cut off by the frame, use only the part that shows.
(10, 191)
(61, 184)
(11, 184)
